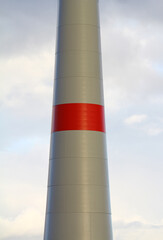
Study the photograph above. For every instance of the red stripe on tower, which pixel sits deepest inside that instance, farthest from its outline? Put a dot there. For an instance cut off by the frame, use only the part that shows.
(78, 116)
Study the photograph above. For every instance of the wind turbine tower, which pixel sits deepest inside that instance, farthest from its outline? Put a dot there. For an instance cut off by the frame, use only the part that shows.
(78, 201)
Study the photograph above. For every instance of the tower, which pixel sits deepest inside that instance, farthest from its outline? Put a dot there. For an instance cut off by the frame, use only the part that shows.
(78, 202)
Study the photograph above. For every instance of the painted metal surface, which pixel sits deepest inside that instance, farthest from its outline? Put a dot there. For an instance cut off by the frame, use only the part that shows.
(60, 171)
(78, 90)
(81, 226)
(78, 202)
(78, 116)
(78, 144)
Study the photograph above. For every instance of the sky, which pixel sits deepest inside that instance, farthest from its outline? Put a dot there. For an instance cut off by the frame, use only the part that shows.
(132, 56)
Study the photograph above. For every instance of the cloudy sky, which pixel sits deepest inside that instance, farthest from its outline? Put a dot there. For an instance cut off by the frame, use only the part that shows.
(132, 45)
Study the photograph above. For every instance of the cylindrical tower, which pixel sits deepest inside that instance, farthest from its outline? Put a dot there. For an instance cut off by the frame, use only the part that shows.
(78, 202)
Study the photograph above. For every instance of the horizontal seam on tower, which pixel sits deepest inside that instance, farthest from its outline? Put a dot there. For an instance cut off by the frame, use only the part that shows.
(79, 157)
(72, 103)
(57, 103)
(107, 213)
(97, 185)
(50, 159)
(81, 77)
(87, 130)
(83, 103)
(100, 78)
(58, 52)
(78, 24)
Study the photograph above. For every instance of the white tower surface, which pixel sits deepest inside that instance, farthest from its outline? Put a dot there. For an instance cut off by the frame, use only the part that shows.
(78, 202)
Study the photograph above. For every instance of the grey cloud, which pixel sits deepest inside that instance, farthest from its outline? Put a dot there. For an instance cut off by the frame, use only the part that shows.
(26, 25)
(31, 118)
(24, 238)
(136, 225)
(137, 230)
(148, 10)
(132, 58)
